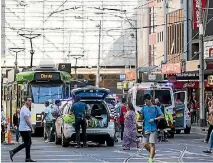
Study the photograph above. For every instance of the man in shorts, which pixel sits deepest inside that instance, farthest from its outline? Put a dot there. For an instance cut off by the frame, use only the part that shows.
(151, 114)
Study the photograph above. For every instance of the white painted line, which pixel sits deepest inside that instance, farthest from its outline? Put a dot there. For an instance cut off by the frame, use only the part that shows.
(34, 155)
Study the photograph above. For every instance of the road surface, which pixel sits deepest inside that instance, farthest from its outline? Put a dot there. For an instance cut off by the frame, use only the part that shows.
(183, 148)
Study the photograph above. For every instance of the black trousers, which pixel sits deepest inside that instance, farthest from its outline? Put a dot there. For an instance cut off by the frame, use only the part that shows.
(122, 130)
(26, 135)
(209, 133)
(81, 123)
(2, 133)
(194, 117)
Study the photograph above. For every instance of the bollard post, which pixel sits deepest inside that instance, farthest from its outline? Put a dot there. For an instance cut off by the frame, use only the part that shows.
(8, 134)
(8, 131)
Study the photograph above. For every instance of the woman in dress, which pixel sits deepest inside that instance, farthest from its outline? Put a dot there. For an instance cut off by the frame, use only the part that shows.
(130, 129)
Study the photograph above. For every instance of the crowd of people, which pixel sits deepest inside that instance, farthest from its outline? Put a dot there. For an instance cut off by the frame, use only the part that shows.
(152, 114)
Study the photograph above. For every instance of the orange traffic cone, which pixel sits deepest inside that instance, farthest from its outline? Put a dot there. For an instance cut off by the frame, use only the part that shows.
(9, 142)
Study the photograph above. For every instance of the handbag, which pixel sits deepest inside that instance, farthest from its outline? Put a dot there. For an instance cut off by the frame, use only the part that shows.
(210, 119)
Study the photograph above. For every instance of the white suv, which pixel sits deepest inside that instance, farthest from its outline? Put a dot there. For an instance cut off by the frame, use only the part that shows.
(100, 121)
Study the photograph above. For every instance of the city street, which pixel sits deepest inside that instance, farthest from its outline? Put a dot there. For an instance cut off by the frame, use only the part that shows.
(184, 148)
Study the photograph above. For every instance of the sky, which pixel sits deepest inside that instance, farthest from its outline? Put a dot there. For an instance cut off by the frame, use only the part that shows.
(66, 28)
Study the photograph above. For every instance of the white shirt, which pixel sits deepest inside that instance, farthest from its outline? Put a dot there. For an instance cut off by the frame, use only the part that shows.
(23, 126)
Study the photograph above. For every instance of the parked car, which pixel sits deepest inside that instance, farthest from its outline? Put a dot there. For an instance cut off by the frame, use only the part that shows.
(100, 121)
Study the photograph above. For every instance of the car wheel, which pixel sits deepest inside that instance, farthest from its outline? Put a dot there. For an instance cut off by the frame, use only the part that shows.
(110, 142)
(187, 130)
(178, 131)
(64, 141)
(101, 142)
(57, 140)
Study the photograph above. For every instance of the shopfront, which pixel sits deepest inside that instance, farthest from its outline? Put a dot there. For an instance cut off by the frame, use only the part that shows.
(190, 82)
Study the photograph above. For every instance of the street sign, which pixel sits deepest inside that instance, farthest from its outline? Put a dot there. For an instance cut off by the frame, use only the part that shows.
(119, 85)
(122, 77)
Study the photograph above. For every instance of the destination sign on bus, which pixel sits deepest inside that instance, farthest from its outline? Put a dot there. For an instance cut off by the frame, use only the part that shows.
(47, 76)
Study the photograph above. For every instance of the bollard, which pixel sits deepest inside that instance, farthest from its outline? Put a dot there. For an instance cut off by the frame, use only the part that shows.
(8, 133)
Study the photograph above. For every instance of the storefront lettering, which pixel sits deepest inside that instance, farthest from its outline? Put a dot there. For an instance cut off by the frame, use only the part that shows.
(191, 85)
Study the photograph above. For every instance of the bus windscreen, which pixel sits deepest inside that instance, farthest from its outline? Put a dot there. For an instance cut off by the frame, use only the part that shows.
(42, 93)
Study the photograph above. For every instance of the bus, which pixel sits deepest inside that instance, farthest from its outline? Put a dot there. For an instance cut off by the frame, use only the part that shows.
(41, 84)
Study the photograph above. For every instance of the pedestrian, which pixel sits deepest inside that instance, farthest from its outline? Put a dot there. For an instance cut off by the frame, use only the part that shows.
(3, 124)
(26, 129)
(16, 121)
(210, 144)
(150, 114)
(122, 113)
(162, 123)
(193, 111)
(48, 120)
(56, 112)
(112, 106)
(79, 110)
(210, 121)
(130, 128)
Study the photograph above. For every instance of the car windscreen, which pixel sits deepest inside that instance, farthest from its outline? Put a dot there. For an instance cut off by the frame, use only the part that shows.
(164, 95)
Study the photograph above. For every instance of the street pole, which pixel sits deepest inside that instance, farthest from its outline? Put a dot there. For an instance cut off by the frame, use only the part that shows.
(76, 57)
(16, 50)
(99, 57)
(30, 36)
(136, 52)
(201, 66)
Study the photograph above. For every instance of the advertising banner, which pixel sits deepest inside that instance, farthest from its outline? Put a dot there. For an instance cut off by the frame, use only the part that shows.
(196, 13)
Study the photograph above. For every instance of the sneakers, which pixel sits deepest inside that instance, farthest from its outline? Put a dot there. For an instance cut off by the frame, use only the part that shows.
(208, 151)
(205, 141)
(47, 141)
(150, 160)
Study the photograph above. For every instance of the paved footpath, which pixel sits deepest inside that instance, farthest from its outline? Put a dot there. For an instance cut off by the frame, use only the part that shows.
(183, 148)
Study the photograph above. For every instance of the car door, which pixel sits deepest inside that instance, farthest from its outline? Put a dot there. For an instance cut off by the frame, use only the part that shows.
(180, 99)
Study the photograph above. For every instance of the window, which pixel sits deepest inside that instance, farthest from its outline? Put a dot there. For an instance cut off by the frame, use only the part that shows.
(43, 92)
(163, 95)
(162, 36)
(158, 40)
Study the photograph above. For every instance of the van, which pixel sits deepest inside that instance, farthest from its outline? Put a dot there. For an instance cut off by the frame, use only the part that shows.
(163, 92)
(183, 116)
(100, 120)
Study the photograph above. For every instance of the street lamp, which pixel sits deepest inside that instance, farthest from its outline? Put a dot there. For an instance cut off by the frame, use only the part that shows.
(76, 57)
(16, 50)
(99, 48)
(136, 52)
(30, 36)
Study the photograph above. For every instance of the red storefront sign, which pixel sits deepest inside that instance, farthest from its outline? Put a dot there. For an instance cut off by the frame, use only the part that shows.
(210, 52)
(196, 13)
(170, 68)
(190, 84)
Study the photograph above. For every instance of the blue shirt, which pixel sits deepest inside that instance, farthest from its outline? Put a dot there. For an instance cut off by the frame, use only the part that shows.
(47, 111)
(79, 109)
(150, 112)
(23, 126)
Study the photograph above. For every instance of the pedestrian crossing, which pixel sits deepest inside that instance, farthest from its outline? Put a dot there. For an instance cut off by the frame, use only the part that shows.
(49, 152)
